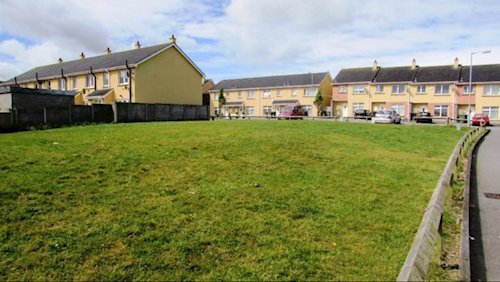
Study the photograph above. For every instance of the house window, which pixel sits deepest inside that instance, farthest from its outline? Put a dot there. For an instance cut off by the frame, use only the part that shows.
(250, 111)
(216, 96)
(491, 112)
(441, 89)
(267, 94)
(227, 95)
(398, 89)
(278, 93)
(216, 111)
(491, 90)
(308, 109)
(358, 89)
(310, 92)
(421, 89)
(294, 92)
(250, 95)
(75, 83)
(240, 94)
(398, 108)
(89, 81)
(342, 88)
(467, 90)
(124, 77)
(441, 111)
(105, 79)
(267, 110)
(357, 106)
(379, 88)
(62, 84)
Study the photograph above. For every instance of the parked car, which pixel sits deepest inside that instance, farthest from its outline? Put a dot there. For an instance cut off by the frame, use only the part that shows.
(362, 113)
(292, 112)
(387, 117)
(423, 117)
(480, 119)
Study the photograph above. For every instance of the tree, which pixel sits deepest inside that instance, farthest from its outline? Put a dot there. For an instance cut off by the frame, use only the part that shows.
(318, 101)
(222, 100)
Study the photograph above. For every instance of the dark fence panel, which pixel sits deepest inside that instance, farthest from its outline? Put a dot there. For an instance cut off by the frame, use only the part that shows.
(57, 116)
(163, 112)
(26, 117)
(137, 112)
(102, 113)
(81, 114)
(5, 120)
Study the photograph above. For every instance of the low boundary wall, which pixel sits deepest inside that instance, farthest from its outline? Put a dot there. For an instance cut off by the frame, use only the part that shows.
(428, 235)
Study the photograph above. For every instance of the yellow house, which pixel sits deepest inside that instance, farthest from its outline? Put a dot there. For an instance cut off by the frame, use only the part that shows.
(156, 74)
(262, 96)
(441, 90)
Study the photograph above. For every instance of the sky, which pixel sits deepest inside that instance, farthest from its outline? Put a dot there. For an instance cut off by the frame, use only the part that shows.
(247, 38)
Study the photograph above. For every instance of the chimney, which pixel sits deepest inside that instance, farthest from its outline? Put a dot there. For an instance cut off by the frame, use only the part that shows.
(413, 64)
(82, 56)
(60, 61)
(457, 64)
(137, 45)
(108, 51)
(172, 39)
(375, 65)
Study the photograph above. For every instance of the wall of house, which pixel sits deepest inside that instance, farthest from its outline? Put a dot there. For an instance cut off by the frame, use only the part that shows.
(168, 78)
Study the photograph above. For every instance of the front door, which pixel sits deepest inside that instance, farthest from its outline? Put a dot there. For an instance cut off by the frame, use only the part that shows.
(345, 113)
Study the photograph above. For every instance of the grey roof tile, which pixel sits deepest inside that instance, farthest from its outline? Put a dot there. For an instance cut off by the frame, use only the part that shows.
(356, 75)
(438, 74)
(99, 93)
(395, 74)
(481, 73)
(272, 81)
(113, 60)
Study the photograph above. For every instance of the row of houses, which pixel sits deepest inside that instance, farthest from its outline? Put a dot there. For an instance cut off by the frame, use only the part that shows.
(165, 74)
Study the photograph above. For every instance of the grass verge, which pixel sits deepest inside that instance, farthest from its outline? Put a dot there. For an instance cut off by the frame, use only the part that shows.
(240, 200)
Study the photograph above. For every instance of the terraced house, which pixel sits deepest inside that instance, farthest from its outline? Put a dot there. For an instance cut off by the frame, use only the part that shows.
(156, 74)
(261, 96)
(441, 90)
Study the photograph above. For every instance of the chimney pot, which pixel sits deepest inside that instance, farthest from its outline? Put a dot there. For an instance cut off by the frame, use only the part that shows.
(60, 61)
(137, 45)
(413, 64)
(82, 56)
(457, 63)
(172, 39)
(108, 51)
(375, 65)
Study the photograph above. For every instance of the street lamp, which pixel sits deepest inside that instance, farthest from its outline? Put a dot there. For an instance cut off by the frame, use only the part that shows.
(470, 84)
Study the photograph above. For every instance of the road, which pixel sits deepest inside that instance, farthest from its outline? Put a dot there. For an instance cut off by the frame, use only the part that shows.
(485, 211)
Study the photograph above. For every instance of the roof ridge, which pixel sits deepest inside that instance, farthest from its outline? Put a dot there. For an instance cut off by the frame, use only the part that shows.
(272, 76)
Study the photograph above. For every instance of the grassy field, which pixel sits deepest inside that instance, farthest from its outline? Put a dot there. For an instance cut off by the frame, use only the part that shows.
(240, 200)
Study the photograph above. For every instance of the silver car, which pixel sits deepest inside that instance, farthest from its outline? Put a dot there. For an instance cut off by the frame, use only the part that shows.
(387, 117)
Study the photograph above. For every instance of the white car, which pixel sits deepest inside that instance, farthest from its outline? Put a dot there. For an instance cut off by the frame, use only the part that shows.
(386, 117)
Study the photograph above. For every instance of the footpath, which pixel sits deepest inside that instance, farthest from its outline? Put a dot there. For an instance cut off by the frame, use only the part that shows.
(485, 209)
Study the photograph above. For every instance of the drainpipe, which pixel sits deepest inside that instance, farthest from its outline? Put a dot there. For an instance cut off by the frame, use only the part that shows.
(15, 81)
(95, 78)
(129, 81)
(65, 80)
(38, 82)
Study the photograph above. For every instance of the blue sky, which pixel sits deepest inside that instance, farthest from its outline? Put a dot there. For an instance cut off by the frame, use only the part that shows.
(246, 38)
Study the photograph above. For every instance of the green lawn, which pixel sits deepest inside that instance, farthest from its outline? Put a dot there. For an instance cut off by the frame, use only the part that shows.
(224, 200)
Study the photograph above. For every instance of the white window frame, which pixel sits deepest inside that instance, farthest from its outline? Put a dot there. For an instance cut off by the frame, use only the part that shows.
(216, 96)
(266, 94)
(440, 109)
(421, 89)
(491, 112)
(358, 106)
(358, 89)
(216, 111)
(308, 109)
(342, 88)
(442, 89)
(266, 110)
(379, 88)
(124, 77)
(62, 84)
(398, 108)
(89, 81)
(294, 92)
(466, 90)
(240, 94)
(228, 95)
(398, 89)
(250, 95)
(278, 93)
(491, 90)
(250, 111)
(310, 91)
(105, 79)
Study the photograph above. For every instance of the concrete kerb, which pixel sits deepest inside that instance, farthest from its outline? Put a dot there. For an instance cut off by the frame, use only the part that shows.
(465, 274)
(428, 235)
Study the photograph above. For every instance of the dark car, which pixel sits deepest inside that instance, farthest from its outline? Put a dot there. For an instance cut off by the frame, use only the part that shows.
(362, 114)
(423, 117)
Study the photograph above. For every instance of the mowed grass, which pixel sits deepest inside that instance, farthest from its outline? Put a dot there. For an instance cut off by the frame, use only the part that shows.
(224, 200)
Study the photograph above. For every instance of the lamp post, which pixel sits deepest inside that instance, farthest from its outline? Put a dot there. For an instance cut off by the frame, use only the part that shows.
(470, 85)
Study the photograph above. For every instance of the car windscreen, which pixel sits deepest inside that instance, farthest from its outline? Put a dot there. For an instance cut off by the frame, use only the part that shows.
(287, 110)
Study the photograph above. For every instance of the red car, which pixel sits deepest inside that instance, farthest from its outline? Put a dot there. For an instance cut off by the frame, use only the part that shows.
(480, 119)
(292, 112)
